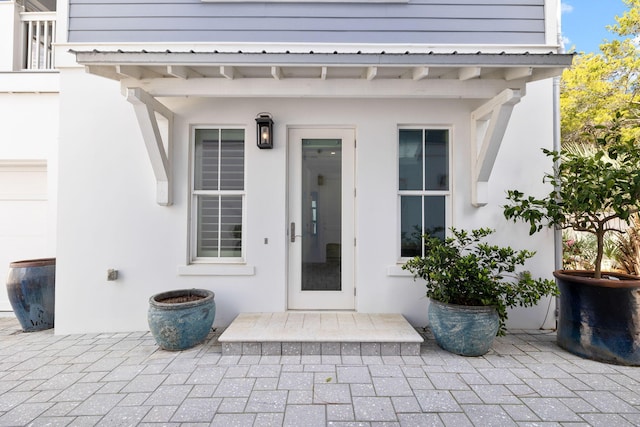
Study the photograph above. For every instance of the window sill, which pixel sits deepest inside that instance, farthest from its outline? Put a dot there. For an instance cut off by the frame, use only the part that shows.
(397, 271)
(216, 270)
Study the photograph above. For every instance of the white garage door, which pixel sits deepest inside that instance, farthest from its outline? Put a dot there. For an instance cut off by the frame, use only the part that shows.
(23, 215)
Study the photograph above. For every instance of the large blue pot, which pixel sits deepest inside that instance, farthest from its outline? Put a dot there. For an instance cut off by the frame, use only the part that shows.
(31, 287)
(182, 318)
(600, 319)
(464, 330)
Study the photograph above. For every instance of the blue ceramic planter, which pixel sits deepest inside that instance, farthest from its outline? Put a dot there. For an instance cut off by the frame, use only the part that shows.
(181, 319)
(464, 330)
(599, 319)
(31, 288)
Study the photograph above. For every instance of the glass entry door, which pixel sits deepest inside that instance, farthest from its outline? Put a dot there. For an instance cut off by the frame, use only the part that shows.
(321, 216)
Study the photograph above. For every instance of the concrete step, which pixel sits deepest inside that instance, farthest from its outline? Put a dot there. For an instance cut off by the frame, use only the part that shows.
(320, 333)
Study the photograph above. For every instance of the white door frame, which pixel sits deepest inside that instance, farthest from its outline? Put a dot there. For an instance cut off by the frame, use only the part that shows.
(297, 299)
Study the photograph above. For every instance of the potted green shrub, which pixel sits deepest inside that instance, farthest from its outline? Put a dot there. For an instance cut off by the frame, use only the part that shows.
(595, 194)
(471, 284)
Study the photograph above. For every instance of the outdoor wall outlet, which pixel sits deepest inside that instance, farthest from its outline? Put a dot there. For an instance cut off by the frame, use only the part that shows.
(112, 274)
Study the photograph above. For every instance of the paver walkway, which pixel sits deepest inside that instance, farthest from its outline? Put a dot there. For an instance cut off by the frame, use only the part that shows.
(123, 379)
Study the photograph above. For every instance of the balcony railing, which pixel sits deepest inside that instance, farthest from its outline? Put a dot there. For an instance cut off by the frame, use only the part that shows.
(39, 34)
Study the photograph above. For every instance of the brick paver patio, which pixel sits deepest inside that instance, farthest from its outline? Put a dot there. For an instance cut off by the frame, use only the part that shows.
(123, 379)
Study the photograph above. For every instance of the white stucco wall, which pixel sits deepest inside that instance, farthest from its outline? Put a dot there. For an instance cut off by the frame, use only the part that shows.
(28, 151)
(29, 125)
(108, 217)
(519, 165)
(9, 31)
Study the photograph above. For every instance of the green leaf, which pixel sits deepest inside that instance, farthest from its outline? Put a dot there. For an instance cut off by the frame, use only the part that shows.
(464, 269)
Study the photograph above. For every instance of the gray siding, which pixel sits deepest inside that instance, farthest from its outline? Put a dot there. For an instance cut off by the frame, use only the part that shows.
(419, 21)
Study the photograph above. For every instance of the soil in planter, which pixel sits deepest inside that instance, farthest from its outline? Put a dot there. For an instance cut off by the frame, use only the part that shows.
(181, 299)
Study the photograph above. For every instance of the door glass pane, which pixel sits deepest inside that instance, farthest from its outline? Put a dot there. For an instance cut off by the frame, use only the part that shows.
(321, 227)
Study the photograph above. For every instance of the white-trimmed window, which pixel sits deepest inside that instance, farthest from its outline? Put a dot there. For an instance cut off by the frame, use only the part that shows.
(218, 194)
(424, 186)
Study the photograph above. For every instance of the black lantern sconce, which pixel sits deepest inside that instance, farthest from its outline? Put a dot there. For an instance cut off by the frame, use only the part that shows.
(265, 130)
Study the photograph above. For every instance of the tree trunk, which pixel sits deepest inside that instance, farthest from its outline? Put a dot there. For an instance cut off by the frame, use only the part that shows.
(599, 253)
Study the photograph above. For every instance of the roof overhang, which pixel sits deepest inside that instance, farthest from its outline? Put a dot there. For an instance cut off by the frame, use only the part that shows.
(497, 79)
(141, 65)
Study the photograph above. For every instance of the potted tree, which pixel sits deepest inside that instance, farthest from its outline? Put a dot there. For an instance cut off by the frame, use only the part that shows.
(594, 194)
(471, 284)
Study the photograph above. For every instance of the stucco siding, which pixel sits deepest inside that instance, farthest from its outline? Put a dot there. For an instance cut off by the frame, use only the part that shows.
(149, 244)
(27, 178)
(418, 21)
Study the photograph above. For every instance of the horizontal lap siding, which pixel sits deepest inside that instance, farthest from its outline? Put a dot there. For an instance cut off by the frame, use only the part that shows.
(419, 21)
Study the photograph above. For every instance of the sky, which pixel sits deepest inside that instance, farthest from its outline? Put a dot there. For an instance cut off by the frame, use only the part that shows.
(584, 22)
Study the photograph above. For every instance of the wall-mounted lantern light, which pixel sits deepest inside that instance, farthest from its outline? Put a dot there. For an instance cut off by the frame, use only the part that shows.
(265, 130)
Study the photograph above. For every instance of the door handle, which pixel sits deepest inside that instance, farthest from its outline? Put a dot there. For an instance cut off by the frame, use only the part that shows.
(292, 232)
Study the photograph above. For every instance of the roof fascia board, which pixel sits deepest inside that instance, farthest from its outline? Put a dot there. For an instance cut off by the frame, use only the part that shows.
(324, 59)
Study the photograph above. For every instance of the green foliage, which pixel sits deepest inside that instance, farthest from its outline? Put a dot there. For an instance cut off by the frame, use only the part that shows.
(464, 270)
(628, 248)
(588, 191)
(596, 92)
(598, 86)
(579, 252)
